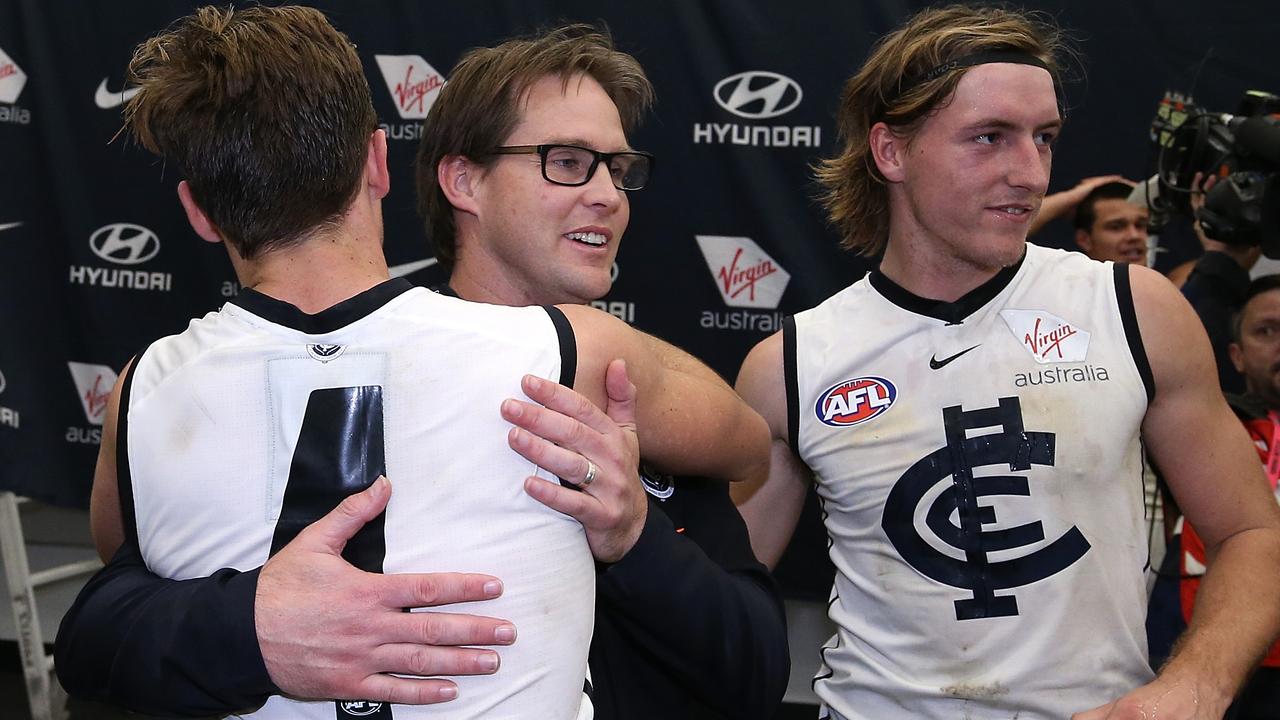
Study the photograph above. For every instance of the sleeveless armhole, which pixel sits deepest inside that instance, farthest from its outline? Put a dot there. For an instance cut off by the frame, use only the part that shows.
(124, 481)
(1129, 318)
(792, 382)
(568, 345)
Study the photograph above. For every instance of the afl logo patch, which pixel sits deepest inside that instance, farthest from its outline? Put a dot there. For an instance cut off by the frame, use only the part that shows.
(325, 353)
(855, 401)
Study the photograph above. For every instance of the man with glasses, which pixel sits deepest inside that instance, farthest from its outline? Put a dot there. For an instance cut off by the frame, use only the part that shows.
(527, 205)
(510, 183)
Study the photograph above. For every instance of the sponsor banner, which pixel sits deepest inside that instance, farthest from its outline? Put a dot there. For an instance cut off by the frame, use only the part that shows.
(12, 80)
(8, 416)
(93, 385)
(748, 279)
(112, 99)
(757, 95)
(414, 86)
(122, 244)
(745, 274)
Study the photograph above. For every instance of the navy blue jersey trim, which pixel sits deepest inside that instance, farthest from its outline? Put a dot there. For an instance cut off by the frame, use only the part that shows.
(568, 345)
(124, 481)
(1129, 319)
(952, 313)
(789, 372)
(327, 320)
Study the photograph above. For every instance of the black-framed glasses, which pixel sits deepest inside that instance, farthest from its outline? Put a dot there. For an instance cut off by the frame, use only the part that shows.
(573, 165)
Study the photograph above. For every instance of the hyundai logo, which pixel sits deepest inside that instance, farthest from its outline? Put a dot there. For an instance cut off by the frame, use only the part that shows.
(124, 243)
(758, 94)
(2, 384)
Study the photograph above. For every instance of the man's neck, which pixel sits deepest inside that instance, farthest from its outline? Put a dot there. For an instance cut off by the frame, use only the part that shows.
(487, 288)
(928, 272)
(320, 272)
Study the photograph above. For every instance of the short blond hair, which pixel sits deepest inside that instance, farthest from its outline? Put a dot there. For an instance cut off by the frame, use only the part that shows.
(901, 84)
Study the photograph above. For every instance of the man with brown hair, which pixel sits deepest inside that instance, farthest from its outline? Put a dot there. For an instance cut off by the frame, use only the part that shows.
(323, 374)
(1109, 227)
(974, 412)
(523, 177)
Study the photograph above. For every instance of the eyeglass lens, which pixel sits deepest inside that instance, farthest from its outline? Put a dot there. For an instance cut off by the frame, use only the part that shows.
(570, 165)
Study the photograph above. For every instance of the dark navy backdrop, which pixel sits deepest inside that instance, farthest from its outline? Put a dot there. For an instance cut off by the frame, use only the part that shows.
(96, 258)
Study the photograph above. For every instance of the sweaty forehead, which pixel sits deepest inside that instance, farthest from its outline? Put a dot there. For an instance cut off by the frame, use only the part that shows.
(1007, 93)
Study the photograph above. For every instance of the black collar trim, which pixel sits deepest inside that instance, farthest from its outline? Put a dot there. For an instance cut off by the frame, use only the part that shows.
(327, 320)
(952, 313)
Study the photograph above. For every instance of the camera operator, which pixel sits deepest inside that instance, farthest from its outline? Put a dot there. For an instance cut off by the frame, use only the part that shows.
(1216, 288)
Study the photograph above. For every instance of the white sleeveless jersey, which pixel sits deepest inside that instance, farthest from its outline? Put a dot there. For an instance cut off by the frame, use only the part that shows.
(258, 419)
(980, 473)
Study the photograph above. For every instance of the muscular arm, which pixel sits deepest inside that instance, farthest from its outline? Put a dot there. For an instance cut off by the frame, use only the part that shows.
(771, 505)
(689, 421)
(1214, 474)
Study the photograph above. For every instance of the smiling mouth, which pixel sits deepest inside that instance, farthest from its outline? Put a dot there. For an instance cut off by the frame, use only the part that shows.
(587, 238)
(1016, 210)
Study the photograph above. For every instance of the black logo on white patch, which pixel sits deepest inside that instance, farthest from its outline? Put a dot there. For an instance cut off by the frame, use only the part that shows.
(325, 353)
(1011, 446)
(359, 708)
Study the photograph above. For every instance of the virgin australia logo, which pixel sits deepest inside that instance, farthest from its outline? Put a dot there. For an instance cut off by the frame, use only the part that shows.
(412, 82)
(745, 275)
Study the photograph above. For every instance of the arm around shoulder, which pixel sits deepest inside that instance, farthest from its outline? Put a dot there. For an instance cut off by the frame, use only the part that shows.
(688, 419)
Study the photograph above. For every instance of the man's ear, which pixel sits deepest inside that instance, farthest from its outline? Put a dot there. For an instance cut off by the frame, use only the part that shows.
(459, 179)
(1084, 240)
(195, 216)
(889, 150)
(375, 165)
(1237, 356)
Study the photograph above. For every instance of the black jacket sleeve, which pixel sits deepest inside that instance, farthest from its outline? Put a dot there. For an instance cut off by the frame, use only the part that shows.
(158, 646)
(1215, 289)
(717, 627)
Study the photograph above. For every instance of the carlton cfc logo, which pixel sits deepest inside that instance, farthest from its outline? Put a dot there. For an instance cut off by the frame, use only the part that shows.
(855, 401)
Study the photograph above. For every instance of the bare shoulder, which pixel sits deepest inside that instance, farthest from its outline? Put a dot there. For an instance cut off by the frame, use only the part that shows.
(1172, 335)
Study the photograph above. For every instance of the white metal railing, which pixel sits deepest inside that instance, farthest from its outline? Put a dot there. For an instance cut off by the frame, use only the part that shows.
(46, 697)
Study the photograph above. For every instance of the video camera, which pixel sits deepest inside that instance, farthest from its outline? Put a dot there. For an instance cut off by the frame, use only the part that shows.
(1242, 151)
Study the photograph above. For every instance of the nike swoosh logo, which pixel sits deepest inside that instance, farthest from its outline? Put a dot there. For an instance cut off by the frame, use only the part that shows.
(405, 269)
(9, 226)
(936, 364)
(107, 99)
